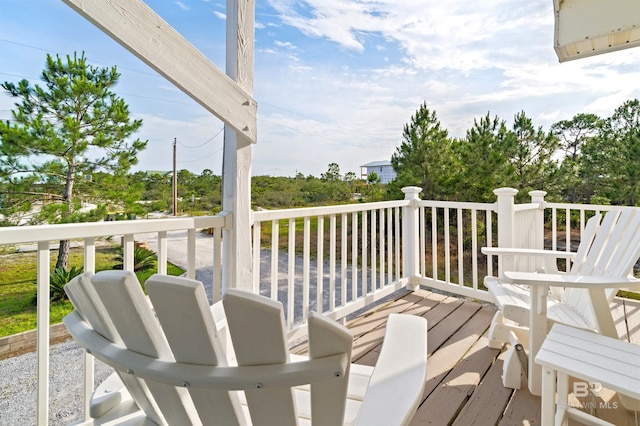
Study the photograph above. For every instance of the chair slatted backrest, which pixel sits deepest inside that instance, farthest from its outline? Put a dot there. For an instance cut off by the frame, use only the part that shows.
(128, 308)
(258, 332)
(586, 241)
(175, 324)
(613, 252)
(88, 304)
(182, 308)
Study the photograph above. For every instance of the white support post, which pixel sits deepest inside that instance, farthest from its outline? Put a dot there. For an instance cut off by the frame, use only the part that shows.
(410, 234)
(238, 152)
(537, 197)
(506, 228)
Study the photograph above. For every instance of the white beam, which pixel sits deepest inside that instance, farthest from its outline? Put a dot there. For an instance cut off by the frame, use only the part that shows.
(139, 29)
(591, 27)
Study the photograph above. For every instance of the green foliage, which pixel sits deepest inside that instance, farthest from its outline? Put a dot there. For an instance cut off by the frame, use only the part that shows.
(425, 157)
(574, 180)
(61, 137)
(143, 259)
(532, 156)
(484, 163)
(59, 278)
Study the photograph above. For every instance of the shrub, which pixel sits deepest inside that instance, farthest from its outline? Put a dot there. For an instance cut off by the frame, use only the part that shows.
(143, 259)
(59, 278)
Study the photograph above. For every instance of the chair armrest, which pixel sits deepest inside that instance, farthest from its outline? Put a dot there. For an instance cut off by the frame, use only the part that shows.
(400, 374)
(577, 281)
(509, 251)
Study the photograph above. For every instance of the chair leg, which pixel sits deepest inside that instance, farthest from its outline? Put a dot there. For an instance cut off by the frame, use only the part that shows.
(498, 332)
(511, 370)
(547, 403)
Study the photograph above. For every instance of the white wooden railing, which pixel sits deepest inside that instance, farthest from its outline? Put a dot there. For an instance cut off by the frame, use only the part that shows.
(335, 260)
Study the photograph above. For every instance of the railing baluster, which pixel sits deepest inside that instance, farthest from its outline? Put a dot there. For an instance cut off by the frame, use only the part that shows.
(257, 249)
(162, 252)
(128, 248)
(354, 255)
(489, 237)
(275, 246)
(568, 235)
(554, 229)
(365, 253)
(390, 242)
(423, 241)
(447, 247)
(460, 229)
(42, 333)
(320, 265)
(383, 242)
(191, 253)
(291, 264)
(217, 265)
(474, 248)
(398, 244)
(306, 256)
(374, 259)
(343, 259)
(434, 242)
(332, 262)
(88, 360)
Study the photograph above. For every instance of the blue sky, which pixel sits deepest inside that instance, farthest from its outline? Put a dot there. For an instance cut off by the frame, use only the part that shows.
(336, 80)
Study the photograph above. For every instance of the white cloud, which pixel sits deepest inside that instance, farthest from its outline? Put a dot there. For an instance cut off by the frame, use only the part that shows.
(285, 44)
(182, 6)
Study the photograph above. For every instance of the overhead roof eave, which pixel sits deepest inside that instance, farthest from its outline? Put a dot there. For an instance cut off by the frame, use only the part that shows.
(590, 27)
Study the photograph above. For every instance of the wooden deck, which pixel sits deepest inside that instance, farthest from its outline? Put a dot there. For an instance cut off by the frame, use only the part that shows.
(464, 385)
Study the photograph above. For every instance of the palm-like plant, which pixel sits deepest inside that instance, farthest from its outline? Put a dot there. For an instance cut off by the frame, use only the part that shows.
(59, 278)
(143, 259)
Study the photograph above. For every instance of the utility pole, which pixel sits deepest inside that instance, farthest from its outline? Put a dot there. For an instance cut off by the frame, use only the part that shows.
(175, 180)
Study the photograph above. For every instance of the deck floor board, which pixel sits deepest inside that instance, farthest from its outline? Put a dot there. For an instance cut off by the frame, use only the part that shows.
(464, 385)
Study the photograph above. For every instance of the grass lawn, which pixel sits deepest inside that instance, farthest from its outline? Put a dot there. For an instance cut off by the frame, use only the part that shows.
(18, 286)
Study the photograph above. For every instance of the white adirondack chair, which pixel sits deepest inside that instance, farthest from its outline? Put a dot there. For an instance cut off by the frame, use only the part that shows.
(179, 361)
(607, 253)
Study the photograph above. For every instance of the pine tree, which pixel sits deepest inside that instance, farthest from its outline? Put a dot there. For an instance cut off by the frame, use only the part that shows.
(60, 135)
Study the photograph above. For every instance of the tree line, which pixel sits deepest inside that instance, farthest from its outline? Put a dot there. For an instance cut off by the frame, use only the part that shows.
(70, 143)
(585, 159)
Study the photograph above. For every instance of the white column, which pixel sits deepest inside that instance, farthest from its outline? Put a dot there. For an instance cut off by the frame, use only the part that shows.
(238, 153)
(410, 234)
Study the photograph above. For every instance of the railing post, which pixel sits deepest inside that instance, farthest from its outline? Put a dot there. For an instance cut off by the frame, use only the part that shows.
(506, 228)
(410, 230)
(538, 197)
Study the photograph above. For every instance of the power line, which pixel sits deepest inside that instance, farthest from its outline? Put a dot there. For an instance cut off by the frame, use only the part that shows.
(204, 143)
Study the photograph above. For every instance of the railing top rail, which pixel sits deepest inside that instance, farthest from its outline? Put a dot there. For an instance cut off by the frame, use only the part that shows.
(263, 215)
(595, 207)
(527, 206)
(67, 231)
(458, 204)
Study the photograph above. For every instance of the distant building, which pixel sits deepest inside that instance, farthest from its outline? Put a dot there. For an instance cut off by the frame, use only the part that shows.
(383, 169)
